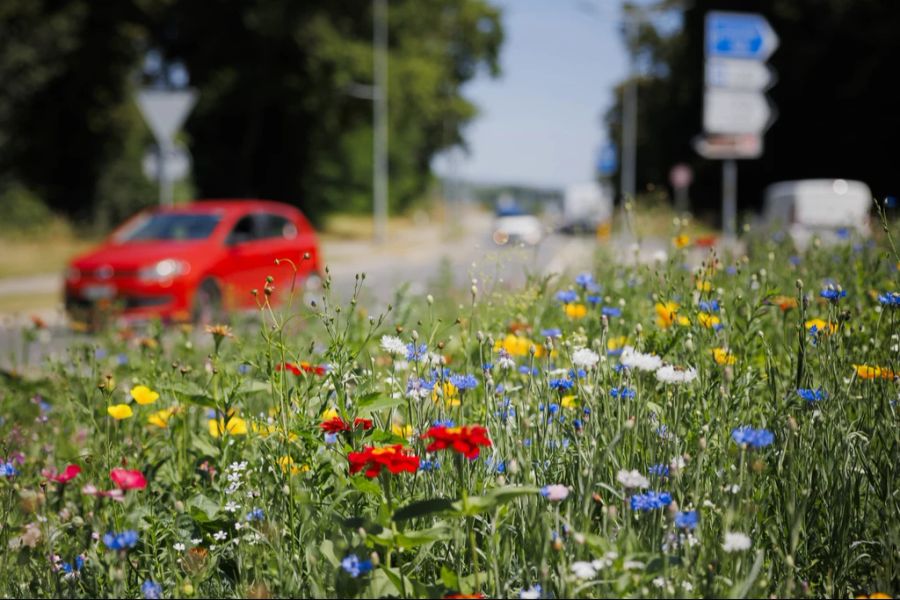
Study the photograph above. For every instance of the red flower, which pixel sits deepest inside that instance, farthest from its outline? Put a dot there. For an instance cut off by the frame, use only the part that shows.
(337, 425)
(66, 476)
(304, 367)
(464, 440)
(128, 480)
(395, 458)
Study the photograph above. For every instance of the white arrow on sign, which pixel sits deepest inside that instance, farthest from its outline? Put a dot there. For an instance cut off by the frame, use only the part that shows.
(738, 74)
(165, 111)
(730, 111)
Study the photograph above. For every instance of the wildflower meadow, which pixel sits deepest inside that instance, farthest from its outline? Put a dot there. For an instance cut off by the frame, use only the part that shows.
(727, 428)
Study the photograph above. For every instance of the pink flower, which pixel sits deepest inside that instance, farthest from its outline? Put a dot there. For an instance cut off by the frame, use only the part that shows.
(91, 490)
(66, 476)
(555, 492)
(128, 480)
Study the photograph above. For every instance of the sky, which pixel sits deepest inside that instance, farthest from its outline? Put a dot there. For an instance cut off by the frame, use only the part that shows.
(540, 122)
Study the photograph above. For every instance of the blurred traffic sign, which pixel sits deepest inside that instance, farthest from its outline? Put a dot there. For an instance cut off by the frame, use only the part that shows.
(738, 74)
(681, 176)
(608, 160)
(735, 111)
(739, 35)
(717, 147)
(178, 163)
(165, 112)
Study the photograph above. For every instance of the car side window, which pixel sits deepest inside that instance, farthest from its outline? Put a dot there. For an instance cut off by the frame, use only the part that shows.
(277, 226)
(244, 231)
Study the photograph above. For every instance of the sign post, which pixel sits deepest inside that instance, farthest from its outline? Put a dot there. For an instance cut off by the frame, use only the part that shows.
(736, 111)
(165, 112)
(681, 176)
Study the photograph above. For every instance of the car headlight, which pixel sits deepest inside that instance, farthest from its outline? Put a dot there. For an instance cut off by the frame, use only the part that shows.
(164, 269)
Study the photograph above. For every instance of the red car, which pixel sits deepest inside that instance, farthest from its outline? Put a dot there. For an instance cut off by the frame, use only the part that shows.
(193, 261)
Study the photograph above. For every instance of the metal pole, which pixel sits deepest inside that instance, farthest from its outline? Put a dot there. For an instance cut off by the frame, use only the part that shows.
(379, 117)
(729, 198)
(165, 183)
(629, 119)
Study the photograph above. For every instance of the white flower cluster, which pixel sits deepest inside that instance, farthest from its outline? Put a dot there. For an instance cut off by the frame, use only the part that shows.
(632, 479)
(736, 541)
(585, 357)
(671, 374)
(393, 345)
(633, 359)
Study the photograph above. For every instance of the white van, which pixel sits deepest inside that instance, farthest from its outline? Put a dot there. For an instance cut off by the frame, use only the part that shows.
(826, 208)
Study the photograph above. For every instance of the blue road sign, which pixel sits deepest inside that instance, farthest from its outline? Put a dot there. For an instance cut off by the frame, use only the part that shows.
(608, 160)
(739, 35)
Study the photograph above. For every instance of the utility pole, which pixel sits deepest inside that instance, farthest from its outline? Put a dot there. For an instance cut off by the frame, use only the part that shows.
(379, 118)
(629, 114)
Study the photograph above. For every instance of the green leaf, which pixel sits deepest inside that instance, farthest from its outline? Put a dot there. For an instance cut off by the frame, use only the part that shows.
(327, 550)
(367, 399)
(365, 485)
(203, 509)
(386, 437)
(193, 393)
(449, 578)
(202, 445)
(253, 386)
(380, 403)
(412, 539)
(422, 508)
(475, 505)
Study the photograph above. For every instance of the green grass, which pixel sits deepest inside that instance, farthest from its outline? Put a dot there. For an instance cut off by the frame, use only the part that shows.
(42, 252)
(820, 504)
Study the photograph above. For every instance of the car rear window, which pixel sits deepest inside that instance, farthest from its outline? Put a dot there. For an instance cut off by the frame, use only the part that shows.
(172, 226)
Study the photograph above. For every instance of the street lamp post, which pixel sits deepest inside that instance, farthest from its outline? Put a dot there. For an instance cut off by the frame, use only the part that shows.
(629, 118)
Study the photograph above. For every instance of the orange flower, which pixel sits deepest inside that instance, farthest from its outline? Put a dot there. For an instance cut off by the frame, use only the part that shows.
(681, 241)
(667, 315)
(785, 303)
(867, 372)
(395, 458)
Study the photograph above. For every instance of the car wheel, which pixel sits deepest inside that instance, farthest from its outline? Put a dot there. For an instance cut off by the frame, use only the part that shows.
(208, 303)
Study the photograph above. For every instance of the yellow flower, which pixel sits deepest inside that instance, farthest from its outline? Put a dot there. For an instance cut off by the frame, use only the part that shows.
(615, 343)
(286, 462)
(575, 311)
(161, 418)
(449, 393)
(236, 426)
(723, 356)
(329, 414)
(568, 401)
(667, 315)
(681, 241)
(821, 326)
(119, 411)
(517, 345)
(707, 320)
(867, 372)
(703, 285)
(144, 395)
(405, 431)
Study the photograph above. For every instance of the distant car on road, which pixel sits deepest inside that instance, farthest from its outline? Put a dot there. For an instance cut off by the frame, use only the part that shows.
(192, 262)
(827, 208)
(515, 226)
(586, 208)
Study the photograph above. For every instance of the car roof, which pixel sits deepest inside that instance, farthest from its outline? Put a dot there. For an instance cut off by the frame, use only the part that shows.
(229, 205)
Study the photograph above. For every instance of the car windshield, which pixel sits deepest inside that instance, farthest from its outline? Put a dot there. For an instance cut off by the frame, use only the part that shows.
(171, 226)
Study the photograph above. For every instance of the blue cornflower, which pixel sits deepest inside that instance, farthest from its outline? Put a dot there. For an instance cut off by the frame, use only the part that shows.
(429, 465)
(794, 260)
(526, 370)
(593, 299)
(73, 567)
(611, 311)
(553, 332)
(506, 411)
(414, 353)
(660, 470)
(579, 374)
(732, 270)
(755, 438)
(650, 500)
(464, 382)
(833, 294)
(812, 395)
(843, 233)
(151, 590)
(331, 438)
(622, 392)
(100, 353)
(561, 384)
(686, 519)
(584, 279)
(355, 567)
(257, 514)
(577, 424)
(121, 541)
(122, 359)
(567, 296)
(487, 366)
(443, 423)
(496, 466)
(891, 299)
(243, 368)
(553, 407)
(709, 306)
(7, 469)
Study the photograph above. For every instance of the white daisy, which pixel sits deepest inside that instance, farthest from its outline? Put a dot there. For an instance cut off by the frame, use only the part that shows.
(585, 357)
(393, 345)
(736, 541)
(638, 360)
(583, 569)
(670, 374)
(632, 479)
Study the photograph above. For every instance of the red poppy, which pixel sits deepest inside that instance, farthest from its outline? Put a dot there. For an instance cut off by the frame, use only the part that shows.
(395, 458)
(304, 367)
(128, 480)
(464, 440)
(66, 476)
(337, 425)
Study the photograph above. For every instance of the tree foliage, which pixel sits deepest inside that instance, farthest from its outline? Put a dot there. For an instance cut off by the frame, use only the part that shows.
(834, 65)
(280, 114)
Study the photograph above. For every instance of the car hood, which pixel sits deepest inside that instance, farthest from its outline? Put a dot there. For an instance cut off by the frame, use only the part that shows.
(134, 255)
